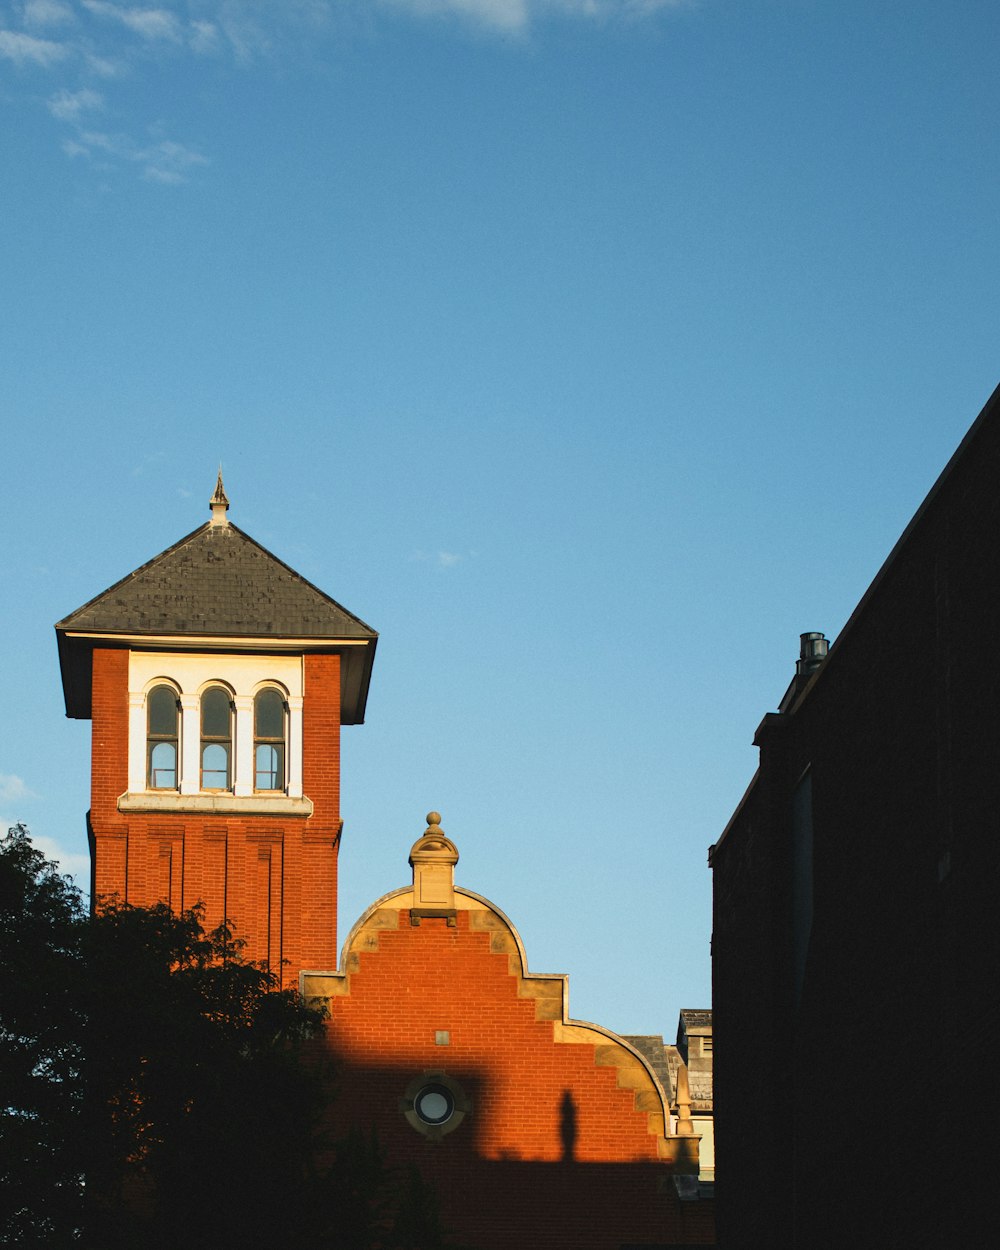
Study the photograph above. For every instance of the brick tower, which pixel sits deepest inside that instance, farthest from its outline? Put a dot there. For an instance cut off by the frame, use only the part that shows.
(217, 680)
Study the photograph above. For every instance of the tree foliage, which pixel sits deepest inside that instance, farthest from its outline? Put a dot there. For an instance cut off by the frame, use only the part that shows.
(153, 1080)
(41, 1048)
(195, 1085)
(158, 1087)
(369, 1205)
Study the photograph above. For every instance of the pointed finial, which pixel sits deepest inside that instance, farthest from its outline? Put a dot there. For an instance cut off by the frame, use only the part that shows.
(685, 1125)
(219, 503)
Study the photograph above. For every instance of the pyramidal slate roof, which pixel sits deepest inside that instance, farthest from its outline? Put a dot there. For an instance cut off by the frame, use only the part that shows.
(216, 584)
(217, 580)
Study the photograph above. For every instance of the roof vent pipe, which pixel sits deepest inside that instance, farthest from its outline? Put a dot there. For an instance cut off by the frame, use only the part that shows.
(812, 652)
(813, 649)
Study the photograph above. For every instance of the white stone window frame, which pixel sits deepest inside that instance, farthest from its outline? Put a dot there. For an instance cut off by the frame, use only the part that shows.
(287, 723)
(146, 758)
(190, 676)
(214, 684)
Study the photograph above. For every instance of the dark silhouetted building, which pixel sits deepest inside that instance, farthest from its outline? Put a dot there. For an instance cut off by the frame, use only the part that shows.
(855, 909)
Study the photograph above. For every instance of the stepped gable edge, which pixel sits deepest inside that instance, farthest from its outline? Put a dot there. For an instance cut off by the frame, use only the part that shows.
(550, 992)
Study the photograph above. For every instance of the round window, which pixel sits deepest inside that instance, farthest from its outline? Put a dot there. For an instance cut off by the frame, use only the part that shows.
(434, 1104)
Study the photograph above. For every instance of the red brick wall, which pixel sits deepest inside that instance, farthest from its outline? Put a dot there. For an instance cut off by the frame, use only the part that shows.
(314, 908)
(109, 737)
(513, 1173)
(275, 879)
(321, 735)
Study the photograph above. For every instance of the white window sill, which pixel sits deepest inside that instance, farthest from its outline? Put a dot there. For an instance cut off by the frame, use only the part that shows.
(215, 804)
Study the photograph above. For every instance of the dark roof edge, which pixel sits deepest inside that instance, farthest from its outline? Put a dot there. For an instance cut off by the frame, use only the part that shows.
(66, 620)
(917, 518)
(716, 845)
(268, 642)
(928, 501)
(366, 682)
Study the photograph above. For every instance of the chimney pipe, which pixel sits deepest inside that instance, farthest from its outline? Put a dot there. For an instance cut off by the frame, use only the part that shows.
(813, 648)
(812, 652)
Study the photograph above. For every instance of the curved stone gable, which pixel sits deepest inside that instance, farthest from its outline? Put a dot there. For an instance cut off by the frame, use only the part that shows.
(564, 1138)
(482, 932)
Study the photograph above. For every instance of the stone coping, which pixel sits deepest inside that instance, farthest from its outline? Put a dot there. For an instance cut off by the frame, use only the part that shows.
(278, 805)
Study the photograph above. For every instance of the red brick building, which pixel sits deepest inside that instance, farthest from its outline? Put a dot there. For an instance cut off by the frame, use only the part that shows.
(217, 680)
(538, 1130)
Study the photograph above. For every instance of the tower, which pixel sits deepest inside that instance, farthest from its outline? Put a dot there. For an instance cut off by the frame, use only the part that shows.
(216, 679)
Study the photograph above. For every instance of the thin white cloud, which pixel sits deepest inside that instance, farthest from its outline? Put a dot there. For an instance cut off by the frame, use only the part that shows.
(47, 13)
(604, 10)
(247, 30)
(99, 140)
(165, 161)
(443, 559)
(504, 15)
(516, 16)
(104, 66)
(204, 38)
(69, 106)
(13, 789)
(169, 162)
(152, 24)
(109, 39)
(25, 49)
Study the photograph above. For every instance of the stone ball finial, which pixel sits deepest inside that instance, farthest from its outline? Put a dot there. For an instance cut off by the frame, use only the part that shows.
(433, 845)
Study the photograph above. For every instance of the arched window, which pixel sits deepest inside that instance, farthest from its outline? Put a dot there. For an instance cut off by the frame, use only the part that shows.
(269, 741)
(216, 739)
(161, 739)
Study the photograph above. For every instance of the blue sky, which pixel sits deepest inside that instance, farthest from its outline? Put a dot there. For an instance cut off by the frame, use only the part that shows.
(589, 350)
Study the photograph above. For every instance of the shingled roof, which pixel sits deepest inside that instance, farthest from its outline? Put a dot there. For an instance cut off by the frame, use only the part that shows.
(216, 583)
(217, 580)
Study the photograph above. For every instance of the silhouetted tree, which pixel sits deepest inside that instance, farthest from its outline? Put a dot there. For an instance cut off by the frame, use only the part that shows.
(368, 1205)
(158, 1087)
(196, 1090)
(152, 1081)
(41, 1049)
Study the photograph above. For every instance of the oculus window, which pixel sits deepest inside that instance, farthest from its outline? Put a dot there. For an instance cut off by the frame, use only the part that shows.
(435, 1104)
